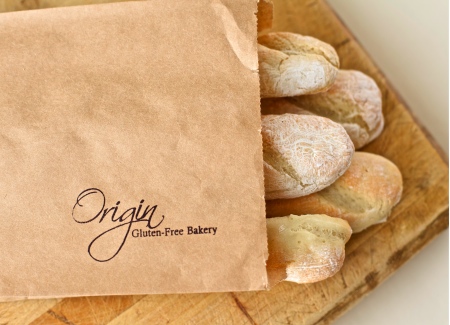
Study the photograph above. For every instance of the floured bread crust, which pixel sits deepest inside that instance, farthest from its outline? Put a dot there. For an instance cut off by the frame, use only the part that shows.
(302, 154)
(364, 195)
(291, 65)
(307, 248)
(354, 100)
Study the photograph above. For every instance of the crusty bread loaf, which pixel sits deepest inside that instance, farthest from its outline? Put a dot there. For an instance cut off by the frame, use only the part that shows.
(354, 100)
(265, 14)
(291, 65)
(302, 154)
(364, 195)
(307, 248)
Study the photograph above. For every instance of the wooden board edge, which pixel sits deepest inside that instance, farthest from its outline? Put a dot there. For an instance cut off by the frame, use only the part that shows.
(396, 260)
(392, 88)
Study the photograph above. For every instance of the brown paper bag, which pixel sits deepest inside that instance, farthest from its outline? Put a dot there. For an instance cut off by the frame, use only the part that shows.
(130, 150)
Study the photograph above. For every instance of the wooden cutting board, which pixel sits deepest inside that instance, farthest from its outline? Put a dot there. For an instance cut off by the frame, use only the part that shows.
(372, 255)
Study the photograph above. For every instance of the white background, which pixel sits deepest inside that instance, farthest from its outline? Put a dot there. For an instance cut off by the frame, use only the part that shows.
(408, 40)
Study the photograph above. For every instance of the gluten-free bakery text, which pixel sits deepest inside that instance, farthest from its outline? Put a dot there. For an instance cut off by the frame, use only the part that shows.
(124, 222)
(175, 232)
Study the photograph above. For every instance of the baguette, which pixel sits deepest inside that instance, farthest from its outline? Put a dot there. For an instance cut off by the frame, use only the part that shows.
(363, 196)
(354, 100)
(302, 154)
(307, 248)
(291, 65)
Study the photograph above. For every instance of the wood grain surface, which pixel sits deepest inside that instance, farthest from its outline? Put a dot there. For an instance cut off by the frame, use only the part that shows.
(372, 255)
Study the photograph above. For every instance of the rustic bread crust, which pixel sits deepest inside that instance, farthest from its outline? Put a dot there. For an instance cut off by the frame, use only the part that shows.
(354, 100)
(291, 65)
(302, 154)
(307, 248)
(363, 196)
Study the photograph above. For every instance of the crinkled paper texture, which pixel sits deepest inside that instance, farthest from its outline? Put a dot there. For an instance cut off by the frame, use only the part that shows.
(151, 101)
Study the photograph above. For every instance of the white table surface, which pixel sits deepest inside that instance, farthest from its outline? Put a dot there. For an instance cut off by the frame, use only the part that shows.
(408, 40)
